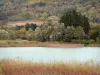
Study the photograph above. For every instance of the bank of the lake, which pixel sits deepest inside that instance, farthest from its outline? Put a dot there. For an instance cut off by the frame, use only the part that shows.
(46, 45)
(41, 45)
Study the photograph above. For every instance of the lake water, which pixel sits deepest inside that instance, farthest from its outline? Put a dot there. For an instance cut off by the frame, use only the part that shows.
(45, 54)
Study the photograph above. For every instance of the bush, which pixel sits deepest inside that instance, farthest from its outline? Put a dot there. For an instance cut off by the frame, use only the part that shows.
(4, 35)
(21, 33)
(69, 33)
(39, 35)
(30, 35)
(18, 27)
(98, 39)
(77, 41)
(95, 31)
(85, 42)
(79, 33)
(12, 34)
(91, 41)
(94, 34)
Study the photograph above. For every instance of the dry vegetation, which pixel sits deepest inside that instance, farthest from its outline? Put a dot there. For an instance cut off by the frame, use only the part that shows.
(16, 67)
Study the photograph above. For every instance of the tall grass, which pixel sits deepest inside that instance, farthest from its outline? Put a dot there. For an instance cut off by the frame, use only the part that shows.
(16, 67)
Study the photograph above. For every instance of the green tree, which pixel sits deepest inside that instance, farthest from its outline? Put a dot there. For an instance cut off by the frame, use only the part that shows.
(27, 26)
(53, 30)
(50, 30)
(95, 31)
(73, 18)
(33, 26)
(69, 34)
(79, 33)
(39, 35)
(86, 25)
(30, 35)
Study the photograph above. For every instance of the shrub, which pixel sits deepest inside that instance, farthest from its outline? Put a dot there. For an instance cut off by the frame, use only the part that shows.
(21, 33)
(75, 41)
(79, 33)
(85, 42)
(30, 35)
(95, 31)
(94, 34)
(98, 39)
(39, 35)
(4, 35)
(18, 27)
(91, 41)
(12, 34)
(69, 33)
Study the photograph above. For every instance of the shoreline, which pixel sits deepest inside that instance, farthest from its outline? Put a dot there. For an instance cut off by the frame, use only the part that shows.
(48, 45)
(42, 45)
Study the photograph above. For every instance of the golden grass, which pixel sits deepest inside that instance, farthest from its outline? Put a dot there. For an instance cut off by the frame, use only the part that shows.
(17, 67)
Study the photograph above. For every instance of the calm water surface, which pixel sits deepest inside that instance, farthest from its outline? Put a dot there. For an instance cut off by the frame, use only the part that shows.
(51, 54)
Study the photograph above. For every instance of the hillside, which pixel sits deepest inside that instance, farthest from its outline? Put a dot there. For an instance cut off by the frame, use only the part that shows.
(40, 9)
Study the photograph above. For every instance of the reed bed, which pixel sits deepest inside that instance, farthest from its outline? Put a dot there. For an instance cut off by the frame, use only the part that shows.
(19, 67)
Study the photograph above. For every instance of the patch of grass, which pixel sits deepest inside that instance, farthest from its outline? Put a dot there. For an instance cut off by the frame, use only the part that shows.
(17, 67)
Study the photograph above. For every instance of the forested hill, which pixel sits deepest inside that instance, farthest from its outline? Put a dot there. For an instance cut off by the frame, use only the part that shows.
(41, 9)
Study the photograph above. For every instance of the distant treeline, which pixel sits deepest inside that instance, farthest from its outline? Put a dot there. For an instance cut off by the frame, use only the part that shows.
(71, 27)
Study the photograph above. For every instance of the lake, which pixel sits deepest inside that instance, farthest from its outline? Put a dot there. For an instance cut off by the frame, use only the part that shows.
(45, 54)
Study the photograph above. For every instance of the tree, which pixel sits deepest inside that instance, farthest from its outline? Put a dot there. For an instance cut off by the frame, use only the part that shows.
(27, 26)
(30, 35)
(50, 30)
(39, 35)
(69, 34)
(73, 18)
(95, 31)
(86, 25)
(53, 30)
(33, 26)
